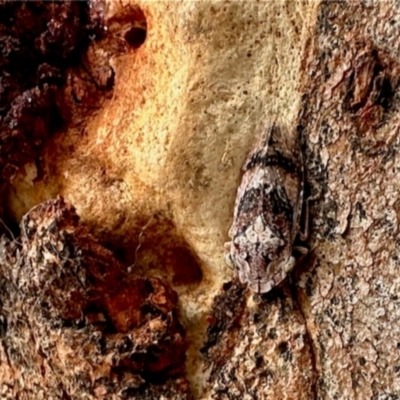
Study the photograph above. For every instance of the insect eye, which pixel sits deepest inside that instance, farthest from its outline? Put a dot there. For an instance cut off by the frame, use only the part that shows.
(267, 260)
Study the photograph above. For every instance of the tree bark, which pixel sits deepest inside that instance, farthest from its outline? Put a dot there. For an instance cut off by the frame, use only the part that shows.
(153, 175)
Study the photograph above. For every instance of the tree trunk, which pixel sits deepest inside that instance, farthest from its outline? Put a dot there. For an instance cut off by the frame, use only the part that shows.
(153, 174)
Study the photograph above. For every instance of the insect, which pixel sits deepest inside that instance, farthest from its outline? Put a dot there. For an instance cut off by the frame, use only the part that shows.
(268, 210)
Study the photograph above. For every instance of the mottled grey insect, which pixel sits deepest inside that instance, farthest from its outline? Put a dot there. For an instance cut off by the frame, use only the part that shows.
(268, 210)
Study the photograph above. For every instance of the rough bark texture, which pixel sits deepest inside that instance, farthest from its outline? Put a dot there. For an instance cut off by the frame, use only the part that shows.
(74, 323)
(351, 130)
(153, 175)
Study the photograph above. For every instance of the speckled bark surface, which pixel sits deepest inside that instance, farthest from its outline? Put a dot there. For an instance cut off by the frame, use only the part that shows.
(351, 128)
(159, 163)
(347, 289)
